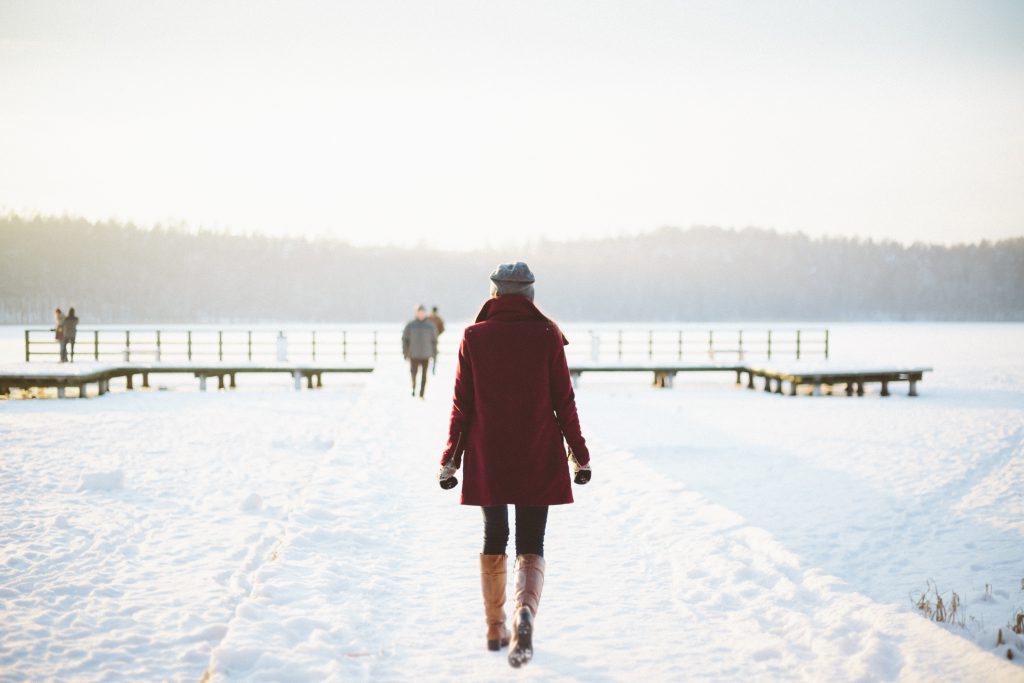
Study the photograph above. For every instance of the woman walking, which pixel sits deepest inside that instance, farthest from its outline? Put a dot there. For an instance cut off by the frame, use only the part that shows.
(512, 407)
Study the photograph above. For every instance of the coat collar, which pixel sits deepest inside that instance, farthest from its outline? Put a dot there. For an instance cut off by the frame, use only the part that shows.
(511, 308)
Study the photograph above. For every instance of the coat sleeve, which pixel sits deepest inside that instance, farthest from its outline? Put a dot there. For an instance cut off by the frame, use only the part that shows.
(405, 342)
(462, 406)
(563, 399)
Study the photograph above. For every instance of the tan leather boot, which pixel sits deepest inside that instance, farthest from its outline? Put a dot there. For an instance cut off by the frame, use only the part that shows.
(529, 584)
(493, 578)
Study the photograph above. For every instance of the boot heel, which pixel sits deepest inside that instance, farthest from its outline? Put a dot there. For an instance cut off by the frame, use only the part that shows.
(522, 653)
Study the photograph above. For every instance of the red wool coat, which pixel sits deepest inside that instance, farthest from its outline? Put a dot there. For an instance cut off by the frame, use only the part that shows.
(513, 405)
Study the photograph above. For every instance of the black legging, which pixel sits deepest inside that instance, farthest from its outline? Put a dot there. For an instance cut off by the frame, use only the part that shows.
(530, 525)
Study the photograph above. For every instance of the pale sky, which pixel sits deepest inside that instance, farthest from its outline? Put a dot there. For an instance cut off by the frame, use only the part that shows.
(459, 124)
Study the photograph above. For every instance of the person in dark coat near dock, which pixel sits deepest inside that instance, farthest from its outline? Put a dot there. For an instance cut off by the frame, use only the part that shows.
(513, 411)
(70, 332)
(419, 345)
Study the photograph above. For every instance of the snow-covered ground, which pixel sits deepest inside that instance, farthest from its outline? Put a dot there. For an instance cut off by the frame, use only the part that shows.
(265, 534)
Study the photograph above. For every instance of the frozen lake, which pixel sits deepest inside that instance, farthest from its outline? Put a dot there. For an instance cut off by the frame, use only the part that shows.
(265, 534)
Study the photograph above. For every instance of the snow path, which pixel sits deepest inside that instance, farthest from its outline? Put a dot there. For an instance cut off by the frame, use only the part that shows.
(376, 578)
(130, 525)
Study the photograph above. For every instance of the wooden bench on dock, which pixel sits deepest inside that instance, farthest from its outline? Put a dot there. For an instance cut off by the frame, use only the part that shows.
(81, 376)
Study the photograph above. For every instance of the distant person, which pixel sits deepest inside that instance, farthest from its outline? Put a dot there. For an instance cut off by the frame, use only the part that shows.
(70, 331)
(439, 324)
(58, 329)
(513, 406)
(282, 348)
(419, 345)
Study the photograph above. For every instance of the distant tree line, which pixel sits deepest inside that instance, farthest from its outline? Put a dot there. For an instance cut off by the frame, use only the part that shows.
(117, 273)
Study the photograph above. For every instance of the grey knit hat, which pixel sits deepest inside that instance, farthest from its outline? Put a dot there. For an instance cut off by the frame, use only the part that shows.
(512, 278)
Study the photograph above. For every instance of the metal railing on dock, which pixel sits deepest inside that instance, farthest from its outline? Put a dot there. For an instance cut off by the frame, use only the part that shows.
(637, 344)
(627, 344)
(187, 345)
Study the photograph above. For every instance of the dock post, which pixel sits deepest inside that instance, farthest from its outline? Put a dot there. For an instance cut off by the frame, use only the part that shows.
(739, 377)
(778, 386)
(309, 380)
(27, 352)
(826, 344)
(188, 334)
(319, 380)
(127, 345)
(750, 379)
(798, 344)
(885, 388)
(792, 387)
(767, 383)
(233, 385)
(671, 378)
(913, 388)
(96, 344)
(849, 388)
(817, 389)
(740, 344)
(128, 382)
(220, 381)
(860, 388)
(202, 382)
(220, 351)
(145, 380)
(61, 393)
(769, 344)
(297, 379)
(82, 391)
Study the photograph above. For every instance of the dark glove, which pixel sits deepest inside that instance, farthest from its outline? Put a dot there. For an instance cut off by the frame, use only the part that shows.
(580, 473)
(446, 475)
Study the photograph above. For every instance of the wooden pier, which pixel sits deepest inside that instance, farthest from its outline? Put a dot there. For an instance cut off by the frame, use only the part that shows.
(80, 376)
(852, 380)
(664, 373)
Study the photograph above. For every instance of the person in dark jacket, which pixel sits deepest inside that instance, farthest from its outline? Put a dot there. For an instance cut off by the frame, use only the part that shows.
(438, 321)
(513, 411)
(70, 331)
(419, 345)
